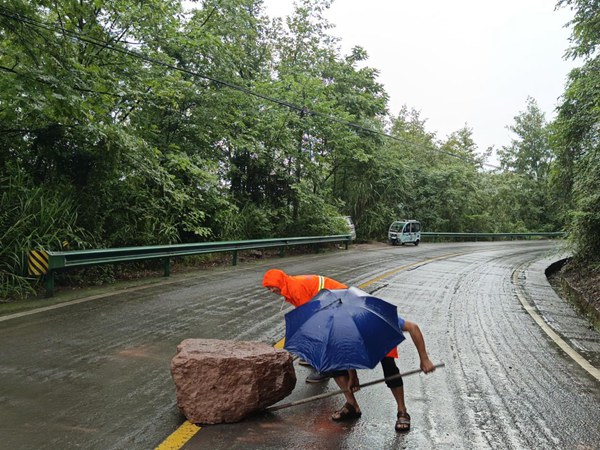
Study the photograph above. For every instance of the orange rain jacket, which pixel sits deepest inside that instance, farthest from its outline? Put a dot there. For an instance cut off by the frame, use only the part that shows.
(299, 289)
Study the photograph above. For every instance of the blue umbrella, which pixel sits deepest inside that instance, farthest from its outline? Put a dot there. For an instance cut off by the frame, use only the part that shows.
(342, 329)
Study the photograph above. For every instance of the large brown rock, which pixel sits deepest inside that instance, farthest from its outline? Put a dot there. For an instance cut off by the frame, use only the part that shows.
(223, 381)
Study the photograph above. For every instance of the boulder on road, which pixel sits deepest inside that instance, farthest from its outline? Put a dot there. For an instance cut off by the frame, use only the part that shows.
(223, 381)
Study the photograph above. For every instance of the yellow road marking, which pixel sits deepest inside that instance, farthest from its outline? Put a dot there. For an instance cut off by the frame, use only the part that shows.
(408, 266)
(179, 437)
(584, 363)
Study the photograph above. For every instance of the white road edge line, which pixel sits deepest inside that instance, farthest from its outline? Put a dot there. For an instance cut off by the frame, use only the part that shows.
(584, 363)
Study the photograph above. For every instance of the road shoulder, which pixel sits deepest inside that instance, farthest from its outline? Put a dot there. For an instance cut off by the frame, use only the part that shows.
(560, 315)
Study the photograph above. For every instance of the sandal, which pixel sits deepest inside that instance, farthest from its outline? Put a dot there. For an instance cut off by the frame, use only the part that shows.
(347, 412)
(403, 422)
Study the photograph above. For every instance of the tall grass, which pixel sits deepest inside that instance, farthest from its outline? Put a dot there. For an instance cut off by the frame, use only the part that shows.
(30, 218)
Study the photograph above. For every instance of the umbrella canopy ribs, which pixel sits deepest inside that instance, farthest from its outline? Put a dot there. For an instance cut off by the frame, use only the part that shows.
(343, 329)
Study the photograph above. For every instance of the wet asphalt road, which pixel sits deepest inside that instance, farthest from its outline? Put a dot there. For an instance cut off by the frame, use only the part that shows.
(95, 375)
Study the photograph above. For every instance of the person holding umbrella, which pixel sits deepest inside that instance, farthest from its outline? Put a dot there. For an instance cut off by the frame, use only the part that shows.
(297, 290)
(341, 330)
(348, 381)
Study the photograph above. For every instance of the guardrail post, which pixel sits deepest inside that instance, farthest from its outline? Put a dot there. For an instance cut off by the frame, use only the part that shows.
(234, 258)
(281, 251)
(166, 267)
(49, 279)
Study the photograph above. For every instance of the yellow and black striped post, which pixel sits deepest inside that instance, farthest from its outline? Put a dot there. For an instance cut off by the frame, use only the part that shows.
(37, 263)
(38, 266)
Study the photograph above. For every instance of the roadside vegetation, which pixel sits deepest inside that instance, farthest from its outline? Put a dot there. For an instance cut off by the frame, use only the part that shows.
(126, 123)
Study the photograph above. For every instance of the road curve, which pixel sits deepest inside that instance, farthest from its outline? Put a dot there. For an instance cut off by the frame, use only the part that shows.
(95, 374)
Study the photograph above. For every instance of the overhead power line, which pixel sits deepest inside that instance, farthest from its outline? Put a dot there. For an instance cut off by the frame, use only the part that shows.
(303, 110)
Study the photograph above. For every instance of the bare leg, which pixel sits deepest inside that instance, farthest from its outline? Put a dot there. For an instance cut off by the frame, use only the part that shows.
(398, 393)
(342, 382)
(403, 418)
(350, 410)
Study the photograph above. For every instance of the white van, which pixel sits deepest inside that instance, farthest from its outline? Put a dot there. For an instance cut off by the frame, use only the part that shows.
(403, 231)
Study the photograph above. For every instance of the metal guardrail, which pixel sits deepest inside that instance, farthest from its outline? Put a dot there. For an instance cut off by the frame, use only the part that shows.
(488, 236)
(48, 263)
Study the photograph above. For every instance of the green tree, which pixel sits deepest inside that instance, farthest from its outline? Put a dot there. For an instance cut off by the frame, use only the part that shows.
(316, 155)
(531, 157)
(529, 153)
(77, 118)
(576, 134)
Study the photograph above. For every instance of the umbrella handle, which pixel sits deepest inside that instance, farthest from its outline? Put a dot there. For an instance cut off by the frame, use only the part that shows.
(341, 391)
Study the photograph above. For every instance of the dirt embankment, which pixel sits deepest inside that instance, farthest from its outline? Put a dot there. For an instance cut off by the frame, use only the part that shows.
(580, 286)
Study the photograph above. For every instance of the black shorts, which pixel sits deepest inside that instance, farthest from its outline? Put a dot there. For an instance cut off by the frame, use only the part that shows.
(390, 368)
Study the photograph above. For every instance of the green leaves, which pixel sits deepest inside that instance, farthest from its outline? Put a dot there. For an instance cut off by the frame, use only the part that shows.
(31, 218)
(576, 137)
(530, 153)
(151, 126)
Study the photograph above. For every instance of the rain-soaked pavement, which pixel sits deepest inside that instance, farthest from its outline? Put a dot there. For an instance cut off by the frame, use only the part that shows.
(95, 374)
